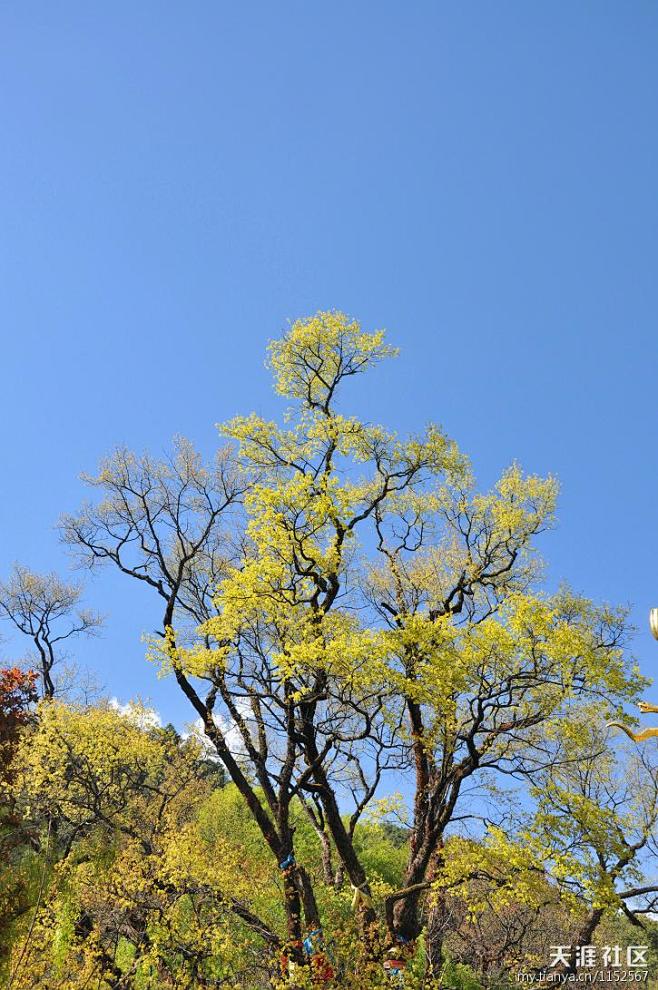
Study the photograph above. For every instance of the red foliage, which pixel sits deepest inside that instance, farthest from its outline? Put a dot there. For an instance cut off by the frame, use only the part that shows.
(18, 692)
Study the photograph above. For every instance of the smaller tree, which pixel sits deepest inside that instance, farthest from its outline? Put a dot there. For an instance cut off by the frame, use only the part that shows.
(47, 610)
(596, 826)
(495, 907)
(587, 851)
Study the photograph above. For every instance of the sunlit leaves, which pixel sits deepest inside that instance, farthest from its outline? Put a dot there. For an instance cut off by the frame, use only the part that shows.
(315, 354)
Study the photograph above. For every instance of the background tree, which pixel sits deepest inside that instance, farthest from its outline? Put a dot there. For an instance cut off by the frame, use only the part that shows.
(584, 856)
(132, 888)
(47, 610)
(495, 910)
(596, 824)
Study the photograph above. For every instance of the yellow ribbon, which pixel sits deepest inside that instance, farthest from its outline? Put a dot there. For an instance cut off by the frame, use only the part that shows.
(360, 897)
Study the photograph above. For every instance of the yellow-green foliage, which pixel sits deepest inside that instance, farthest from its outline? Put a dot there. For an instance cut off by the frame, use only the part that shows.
(144, 887)
(316, 352)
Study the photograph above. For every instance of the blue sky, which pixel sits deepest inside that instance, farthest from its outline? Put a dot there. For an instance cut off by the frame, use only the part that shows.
(177, 180)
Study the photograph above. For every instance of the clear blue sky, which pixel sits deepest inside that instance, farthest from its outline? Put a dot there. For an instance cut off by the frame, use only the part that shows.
(176, 180)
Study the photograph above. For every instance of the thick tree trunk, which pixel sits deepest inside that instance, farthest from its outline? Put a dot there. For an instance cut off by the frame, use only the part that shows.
(407, 921)
(293, 907)
(309, 903)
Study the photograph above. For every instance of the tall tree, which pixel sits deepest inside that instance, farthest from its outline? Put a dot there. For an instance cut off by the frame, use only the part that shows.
(369, 610)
